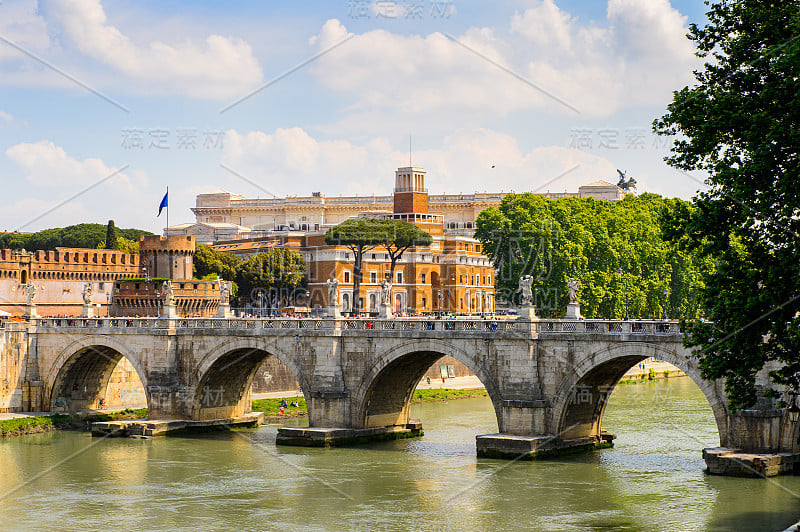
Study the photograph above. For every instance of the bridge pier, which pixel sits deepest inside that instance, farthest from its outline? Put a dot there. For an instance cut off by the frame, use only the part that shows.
(514, 447)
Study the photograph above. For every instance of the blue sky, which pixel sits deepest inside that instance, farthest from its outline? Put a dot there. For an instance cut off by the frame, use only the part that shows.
(105, 104)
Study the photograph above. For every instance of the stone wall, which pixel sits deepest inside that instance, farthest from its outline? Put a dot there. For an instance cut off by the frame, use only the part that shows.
(125, 388)
(274, 376)
(459, 369)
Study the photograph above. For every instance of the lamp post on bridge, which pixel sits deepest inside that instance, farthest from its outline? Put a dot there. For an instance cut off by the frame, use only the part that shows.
(664, 314)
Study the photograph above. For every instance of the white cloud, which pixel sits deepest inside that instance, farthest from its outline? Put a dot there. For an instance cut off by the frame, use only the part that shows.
(221, 67)
(60, 191)
(22, 25)
(290, 161)
(637, 57)
(6, 117)
(45, 164)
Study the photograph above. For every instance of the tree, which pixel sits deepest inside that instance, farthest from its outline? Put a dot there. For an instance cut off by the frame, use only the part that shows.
(611, 246)
(111, 236)
(209, 262)
(277, 271)
(124, 245)
(400, 236)
(740, 125)
(358, 235)
(73, 236)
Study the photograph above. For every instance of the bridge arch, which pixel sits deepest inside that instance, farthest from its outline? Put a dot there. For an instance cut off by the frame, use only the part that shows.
(581, 397)
(383, 397)
(79, 375)
(223, 377)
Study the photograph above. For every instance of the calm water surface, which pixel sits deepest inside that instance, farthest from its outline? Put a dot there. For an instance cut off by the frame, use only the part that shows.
(651, 480)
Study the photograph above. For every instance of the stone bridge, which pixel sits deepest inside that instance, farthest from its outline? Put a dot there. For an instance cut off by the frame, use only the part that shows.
(548, 379)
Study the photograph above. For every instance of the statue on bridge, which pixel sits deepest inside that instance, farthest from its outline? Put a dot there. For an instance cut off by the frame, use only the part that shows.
(525, 283)
(169, 296)
(88, 290)
(333, 291)
(224, 292)
(386, 292)
(30, 293)
(572, 290)
(573, 307)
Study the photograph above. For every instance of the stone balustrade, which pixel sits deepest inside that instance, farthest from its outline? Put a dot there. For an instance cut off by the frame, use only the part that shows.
(541, 326)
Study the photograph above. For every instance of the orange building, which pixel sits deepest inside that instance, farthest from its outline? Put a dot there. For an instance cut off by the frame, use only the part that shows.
(450, 275)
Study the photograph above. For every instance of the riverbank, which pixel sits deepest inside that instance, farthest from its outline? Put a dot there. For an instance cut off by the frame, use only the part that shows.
(650, 370)
(18, 424)
(271, 406)
(21, 424)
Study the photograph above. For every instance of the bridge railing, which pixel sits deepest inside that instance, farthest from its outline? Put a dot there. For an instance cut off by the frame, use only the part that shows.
(609, 326)
(541, 326)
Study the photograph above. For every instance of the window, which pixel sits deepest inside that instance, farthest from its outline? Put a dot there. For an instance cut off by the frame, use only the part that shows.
(423, 282)
(488, 279)
(373, 276)
(347, 276)
(424, 303)
(399, 277)
(346, 302)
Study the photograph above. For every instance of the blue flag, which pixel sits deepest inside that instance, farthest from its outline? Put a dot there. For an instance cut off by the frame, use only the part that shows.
(163, 204)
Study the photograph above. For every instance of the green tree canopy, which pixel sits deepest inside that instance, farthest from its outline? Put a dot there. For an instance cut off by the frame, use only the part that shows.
(279, 271)
(400, 236)
(210, 263)
(74, 236)
(609, 246)
(740, 125)
(111, 236)
(359, 235)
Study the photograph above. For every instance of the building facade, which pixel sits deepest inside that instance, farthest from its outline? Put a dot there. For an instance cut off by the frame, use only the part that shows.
(60, 277)
(450, 275)
(120, 283)
(224, 216)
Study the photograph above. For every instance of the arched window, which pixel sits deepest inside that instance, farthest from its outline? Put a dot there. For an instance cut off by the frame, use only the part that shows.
(346, 302)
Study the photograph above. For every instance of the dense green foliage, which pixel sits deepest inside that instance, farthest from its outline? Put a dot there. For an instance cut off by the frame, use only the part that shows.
(75, 236)
(111, 236)
(740, 125)
(363, 234)
(210, 262)
(609, 246)
(279, 271)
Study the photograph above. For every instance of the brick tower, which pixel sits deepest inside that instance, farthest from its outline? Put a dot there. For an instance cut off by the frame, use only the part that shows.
(410, 194)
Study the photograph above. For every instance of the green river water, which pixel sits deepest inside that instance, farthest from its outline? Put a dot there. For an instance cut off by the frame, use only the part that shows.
(652, 479)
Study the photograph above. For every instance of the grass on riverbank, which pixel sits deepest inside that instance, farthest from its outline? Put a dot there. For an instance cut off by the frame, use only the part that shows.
(446, 394)
(37, 424)
(272, 407)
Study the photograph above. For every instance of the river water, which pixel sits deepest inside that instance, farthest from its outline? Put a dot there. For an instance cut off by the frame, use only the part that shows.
(651, 480)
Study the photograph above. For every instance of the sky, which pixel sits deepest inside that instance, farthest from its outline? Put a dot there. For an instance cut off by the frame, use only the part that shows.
(103, 105)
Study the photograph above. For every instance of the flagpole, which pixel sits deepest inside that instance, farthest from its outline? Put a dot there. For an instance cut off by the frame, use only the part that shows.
(165, 231)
